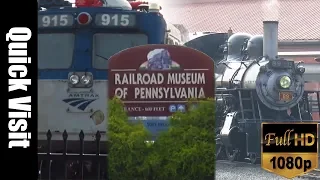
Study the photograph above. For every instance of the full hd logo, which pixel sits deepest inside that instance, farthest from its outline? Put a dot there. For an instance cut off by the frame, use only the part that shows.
(19, 107)
(81, 100)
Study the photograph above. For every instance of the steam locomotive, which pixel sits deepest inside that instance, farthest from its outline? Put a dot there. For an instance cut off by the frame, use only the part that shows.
(254, 85)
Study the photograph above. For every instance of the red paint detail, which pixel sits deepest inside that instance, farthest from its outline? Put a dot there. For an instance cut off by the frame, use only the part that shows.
(97, 3)
(135, 4)
(83, 18)
(88, 3)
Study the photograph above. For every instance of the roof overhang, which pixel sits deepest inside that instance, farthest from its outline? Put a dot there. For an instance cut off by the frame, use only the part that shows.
(299, 42)
(301, 53)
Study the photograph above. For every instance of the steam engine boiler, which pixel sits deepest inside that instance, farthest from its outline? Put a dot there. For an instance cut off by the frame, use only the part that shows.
(254, 85)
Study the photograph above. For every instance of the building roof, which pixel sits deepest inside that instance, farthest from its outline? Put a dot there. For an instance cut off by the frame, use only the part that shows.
(298, 19)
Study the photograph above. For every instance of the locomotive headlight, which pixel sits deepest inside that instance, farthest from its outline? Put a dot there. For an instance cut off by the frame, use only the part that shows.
(74, 79)
(285, 82)
(86, 79)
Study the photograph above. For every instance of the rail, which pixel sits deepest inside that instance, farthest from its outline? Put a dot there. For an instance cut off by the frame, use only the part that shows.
(78, 166)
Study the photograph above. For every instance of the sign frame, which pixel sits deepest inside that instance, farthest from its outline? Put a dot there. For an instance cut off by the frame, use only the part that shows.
(183, 62)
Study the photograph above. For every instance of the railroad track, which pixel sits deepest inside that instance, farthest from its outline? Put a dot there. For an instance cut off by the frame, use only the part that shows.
(315, 174)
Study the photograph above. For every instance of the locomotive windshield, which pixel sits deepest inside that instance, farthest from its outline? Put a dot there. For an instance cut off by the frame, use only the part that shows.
(106, 45)
(55, 51)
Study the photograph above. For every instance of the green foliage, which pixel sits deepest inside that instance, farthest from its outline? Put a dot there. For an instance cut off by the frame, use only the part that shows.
(184, 152)
(127, 149)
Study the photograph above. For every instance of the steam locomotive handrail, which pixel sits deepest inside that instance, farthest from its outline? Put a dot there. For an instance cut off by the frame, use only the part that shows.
(242, 62)
(221, 89)
(312, 91)
(272, 120)
(235, 89)
(244, 89)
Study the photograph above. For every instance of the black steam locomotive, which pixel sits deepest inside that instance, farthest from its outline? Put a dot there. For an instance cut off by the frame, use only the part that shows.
(254, 85)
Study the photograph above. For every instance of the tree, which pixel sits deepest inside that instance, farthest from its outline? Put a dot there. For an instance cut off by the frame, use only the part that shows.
(128, 150)
(187, 150)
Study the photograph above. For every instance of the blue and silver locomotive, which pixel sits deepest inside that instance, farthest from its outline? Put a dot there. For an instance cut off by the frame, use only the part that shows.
(74, 45)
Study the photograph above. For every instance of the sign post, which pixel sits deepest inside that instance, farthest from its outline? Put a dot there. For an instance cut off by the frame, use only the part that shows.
(289, 149)
(157, 80)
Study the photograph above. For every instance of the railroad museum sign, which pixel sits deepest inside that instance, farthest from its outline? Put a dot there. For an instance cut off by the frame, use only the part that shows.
(156, 80)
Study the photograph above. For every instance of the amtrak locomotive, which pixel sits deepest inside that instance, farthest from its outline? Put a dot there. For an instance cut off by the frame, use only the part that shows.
(74, 44)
